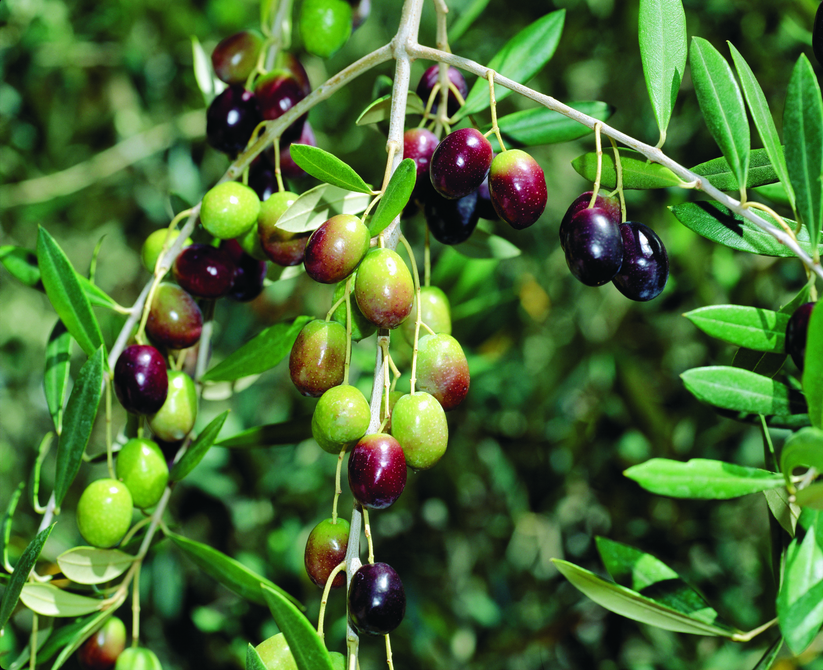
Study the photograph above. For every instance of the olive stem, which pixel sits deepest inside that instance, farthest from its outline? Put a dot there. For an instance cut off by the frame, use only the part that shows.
(325, 599)
(599, 172)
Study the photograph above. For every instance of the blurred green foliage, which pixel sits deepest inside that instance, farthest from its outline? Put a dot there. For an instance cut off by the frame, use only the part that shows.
(570, 385)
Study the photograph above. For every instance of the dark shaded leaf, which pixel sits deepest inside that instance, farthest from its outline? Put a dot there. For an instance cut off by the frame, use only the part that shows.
(813, 368)
(305, 644)
(380, 109)
(24, 566)
(198, 448)
(56, 380)
(271, 435)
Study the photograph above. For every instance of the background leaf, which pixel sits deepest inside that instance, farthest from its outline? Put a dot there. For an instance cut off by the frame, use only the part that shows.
(230, 573)
(483, 244)
(24, 566)
(65, 293)
(663, 51)
(271, 435)
(761, 171)
(396, 197)
(532, 127)
(305, 644)
(380, 109)
(638, 173)
(803, 130)
(81, 411)
(751, 327)
(198, 448)
(740, 390)
(259, 354)
(523, 56)
(327, 168)
(5, 526)
(722, 105)
(813, 368)
(21, 263)
(56, 379)
(702, 478)
(763, 121)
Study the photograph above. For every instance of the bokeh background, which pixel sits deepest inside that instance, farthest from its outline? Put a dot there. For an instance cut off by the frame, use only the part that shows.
(570, 385)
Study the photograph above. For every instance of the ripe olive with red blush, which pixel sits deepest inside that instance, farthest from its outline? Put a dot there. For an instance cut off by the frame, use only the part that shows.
(796, 333)
(277, 92)
(610, 204)
(101, 649)
(377, 600)
(318, 357)
(442, 369)
(384, 288)
(235, 57)
(140, 379)
(204, 271)
(336, 248)
(645, 268)
(451, 221)
(430, 79)
(460, 163)
(175, 320)
(231, 119)
(419, 145)
(377, 471)
(325, 550)
(594, 247)
(517, 187)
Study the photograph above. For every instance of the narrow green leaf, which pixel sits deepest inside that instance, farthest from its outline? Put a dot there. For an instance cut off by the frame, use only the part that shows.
(81, 411)
(90, 565)
(741, 391)
(663, 50)
(751, 327)
(396, 197)
(722, 105)
(56, 381)
(230, 573)
(34, 476)
(24, 566)
(259, 354)
(716, 223)
(523, 56)
(638, 173)
(271, 435)
(66, 295)
(483, 244)
(803, 130)
(465, 19)
(759, 362)
(380, 109)
(69, 638)
(702, 478)
(305, 644)
(632, 605)
(319, 204)
(720, 175)
(532, 127)
(328, 168)
(762, 116)
(97, 296)
(197, 449)
(770, 655)
(800, 599)
(5, 527)
(802, 449)
(203, 74)
(21, 263)
(48, 600)
(651, 578)
(253, 660)
(813, 368)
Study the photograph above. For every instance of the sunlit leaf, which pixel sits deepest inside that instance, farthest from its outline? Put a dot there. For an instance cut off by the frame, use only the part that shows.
(811, 496)
(802, 449)
(327, 168)
(396, 197)
(380, 109)
(259, 354)
(523, 56)
(813, 368)
(763, 121)
(718, 173)
(90, 565)
(751, 327)
(663, 51)
(66, 295)
(722, 105)
(271, 435)
(48, 600)
(21, 263)
(632, 605)
(253, 660)
(34, 476)
(81, 410)
(800, 599)
(532, 127)
(803, 131)
(198, 448)
(319, 204)
(741, 391)
(305, 644)
(56, 379)
(702, 478)
(638, 172)
(203, 74)
(11, 594)
(230, 573)
(5, 526)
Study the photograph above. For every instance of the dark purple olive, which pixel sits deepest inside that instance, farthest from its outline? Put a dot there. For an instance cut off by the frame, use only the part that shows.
(796, 331)
(141, 381)
(277, 92)
(231, 118)
(451, 221)
(204, 271)
(645, 268)
(249, 273)
(594, 247)
(377, 471)
(485, 208)
(429, 80)
(609, 203)
(460, 163)
(377, 600)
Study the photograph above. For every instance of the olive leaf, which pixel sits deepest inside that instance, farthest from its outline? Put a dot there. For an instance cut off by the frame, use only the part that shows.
(328, 168)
